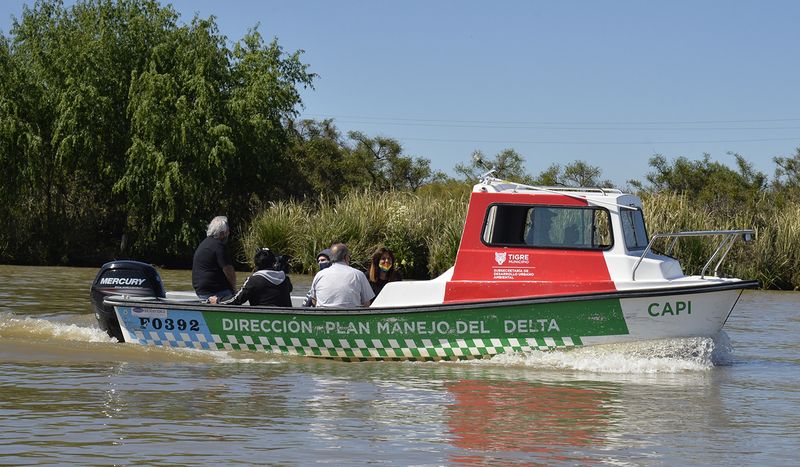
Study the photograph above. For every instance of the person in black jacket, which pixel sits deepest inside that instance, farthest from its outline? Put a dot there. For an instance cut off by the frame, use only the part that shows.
(268, 285)
(212, 268)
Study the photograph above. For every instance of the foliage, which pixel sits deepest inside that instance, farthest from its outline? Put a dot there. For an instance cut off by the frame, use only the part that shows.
(446, 188)
(510, 165)
(331, 166)
(549, 177)
(123, 131)
(117, 123)
(787, 174)
(382, 163)
(773, 258)
(786, 184)
(422, 231)
(67, 91)
(507, 164)
(179, 138)
(708, 182)
(321, 156)
(262, 104)
(574, 174)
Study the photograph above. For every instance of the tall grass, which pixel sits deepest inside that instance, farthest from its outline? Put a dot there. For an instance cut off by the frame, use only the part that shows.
(774, 257)
(424, 232)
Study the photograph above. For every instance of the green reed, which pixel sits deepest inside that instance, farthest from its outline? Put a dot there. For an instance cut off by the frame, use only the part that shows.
(773, 258)
(424, 231)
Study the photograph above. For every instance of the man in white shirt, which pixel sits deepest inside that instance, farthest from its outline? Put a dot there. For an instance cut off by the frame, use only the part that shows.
(341, 285)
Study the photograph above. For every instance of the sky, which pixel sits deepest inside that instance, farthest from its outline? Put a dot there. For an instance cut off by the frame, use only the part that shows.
(610, 83)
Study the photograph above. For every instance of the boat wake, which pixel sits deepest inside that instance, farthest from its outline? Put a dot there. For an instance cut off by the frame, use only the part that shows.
(46, 339)
(16, 327)
(643, 357)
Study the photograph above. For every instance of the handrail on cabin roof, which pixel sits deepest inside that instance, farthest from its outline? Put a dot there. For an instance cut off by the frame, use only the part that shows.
(565, 191)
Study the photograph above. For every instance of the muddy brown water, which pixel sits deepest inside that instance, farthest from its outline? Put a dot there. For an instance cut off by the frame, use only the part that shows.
(70, 395)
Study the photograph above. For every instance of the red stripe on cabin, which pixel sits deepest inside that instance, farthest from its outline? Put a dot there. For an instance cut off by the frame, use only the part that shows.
(484, 272)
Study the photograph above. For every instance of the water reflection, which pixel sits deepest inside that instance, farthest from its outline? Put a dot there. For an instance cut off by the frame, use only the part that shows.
(305, 410)
(518, 416)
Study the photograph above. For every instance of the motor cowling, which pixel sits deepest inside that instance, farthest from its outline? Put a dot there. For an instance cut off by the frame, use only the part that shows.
(125, 277)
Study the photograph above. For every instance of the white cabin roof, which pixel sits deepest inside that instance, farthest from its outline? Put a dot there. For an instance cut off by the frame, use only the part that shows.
(594, 195)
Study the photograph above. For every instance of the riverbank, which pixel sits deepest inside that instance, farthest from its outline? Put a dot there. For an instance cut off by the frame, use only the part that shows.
(424, 229)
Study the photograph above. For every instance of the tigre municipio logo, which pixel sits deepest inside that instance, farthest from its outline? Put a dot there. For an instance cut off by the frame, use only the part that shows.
(500, 258)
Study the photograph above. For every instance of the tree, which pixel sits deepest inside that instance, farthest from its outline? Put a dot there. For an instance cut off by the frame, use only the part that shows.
(381, 160)
(328, 165)
(12, 146)
(787, 174)
(574, 174)
(319, 153)
(507, 164)
(69, 87)
(549, 177)
(262, 106)
(711, 183)
(209, 136)
(116, 121)
(181, 142)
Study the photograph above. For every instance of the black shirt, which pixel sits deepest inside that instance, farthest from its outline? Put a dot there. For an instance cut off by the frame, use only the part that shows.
(209, 259)
(377, 286)
(264, 287)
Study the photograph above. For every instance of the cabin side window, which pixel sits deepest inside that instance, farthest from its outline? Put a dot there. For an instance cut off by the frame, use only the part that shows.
(547, 227)
(633, 229)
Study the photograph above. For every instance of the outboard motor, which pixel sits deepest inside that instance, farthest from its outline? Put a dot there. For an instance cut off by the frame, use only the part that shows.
(122, 278)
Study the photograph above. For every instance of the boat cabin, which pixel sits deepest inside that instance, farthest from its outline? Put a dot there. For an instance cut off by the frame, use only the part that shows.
(522, 241)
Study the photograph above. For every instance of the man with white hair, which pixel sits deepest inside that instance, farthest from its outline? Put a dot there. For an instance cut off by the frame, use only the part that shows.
(212, 268)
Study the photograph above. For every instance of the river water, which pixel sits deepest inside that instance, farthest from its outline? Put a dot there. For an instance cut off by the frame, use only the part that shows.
(70, 395)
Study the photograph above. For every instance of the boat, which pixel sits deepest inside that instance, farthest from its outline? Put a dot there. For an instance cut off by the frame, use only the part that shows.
(537, 269)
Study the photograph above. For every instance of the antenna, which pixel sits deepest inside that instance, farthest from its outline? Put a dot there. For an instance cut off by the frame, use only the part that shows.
(477, 159)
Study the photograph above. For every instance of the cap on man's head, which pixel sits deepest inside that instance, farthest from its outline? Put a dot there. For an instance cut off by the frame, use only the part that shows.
(326, 253)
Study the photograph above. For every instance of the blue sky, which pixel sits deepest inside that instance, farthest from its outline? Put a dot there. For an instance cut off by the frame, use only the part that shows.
(610, 83)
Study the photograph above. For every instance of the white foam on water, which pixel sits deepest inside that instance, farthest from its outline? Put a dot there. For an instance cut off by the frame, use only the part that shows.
(215, 356)
(46, 331)
(694, 354)
(39, 329)
(267, 359)
(186, 354)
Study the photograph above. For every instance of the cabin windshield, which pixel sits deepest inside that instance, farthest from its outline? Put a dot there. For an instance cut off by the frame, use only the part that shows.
(547, 227)
(633, 229)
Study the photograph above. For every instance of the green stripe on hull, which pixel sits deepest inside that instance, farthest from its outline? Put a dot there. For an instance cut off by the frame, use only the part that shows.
(432, 335)
(409, 349)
